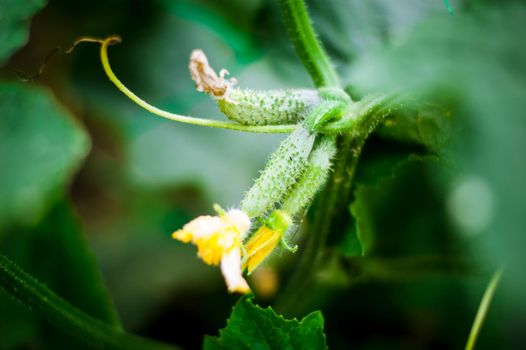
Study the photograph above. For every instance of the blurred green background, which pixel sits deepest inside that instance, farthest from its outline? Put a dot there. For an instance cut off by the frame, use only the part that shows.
(438, 204)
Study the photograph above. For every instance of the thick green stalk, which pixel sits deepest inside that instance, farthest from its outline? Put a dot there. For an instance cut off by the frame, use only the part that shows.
(331, 211)
(37, 297)
(306, 44)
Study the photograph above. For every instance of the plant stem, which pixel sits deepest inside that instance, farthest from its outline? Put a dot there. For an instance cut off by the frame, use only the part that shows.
(38, 298)
(306, 44)
(483, 309)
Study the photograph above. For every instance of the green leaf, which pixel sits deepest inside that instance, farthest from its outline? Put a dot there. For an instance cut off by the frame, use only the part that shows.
(385, 225)
(426, 124)
(228, 21)
(353, 28)
(14, 20)
(252, 327)
(40, 146)
(379, 161)
(46, 303)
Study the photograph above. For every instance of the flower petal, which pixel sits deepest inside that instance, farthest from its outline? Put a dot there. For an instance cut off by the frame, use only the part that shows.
(259, 247)
(209, 249)
(204, 226)
(239, 220)
(183, 236)
(231, 269)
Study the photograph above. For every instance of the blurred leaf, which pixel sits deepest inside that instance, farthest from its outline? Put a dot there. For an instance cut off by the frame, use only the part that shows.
(479, 61)
(350, 244)
(236, 37)
(439, 54)
(14, 23)
(379, 161)
(18, 325)
(40, 146)
(401, 214)
(223, 163)
(56, 253)
(426, 124)
(353, 28)
(251, 327)
(36, 296)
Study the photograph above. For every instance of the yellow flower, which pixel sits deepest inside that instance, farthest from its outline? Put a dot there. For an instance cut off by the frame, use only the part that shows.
(218, 240)
(265, 239)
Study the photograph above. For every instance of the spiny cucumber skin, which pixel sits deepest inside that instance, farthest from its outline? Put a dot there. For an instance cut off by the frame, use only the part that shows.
(284, 167)
(272, 107)
(314, 177)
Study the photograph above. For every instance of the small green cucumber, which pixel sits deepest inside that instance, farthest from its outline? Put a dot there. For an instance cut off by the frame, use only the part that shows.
(271, 107)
